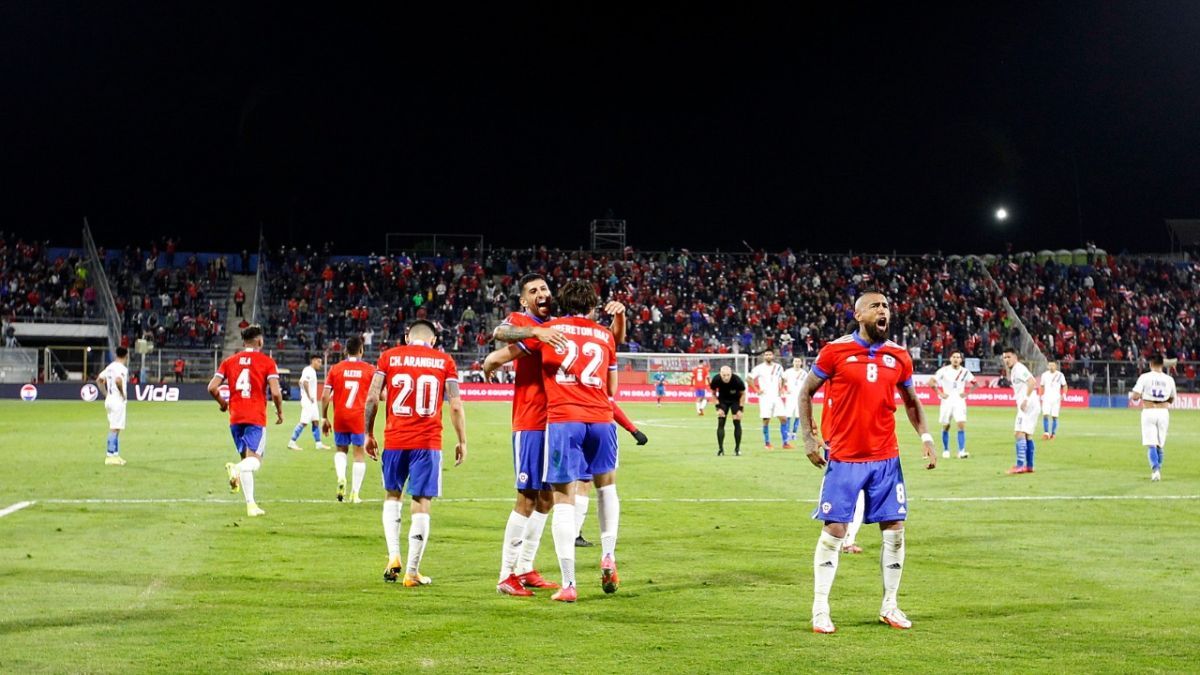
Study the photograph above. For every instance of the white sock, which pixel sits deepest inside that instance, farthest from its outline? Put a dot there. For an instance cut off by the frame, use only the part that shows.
(825, 562)
(391, 526)
(246, 469)
(892, 561)
(513, 539)
(852, 528)
(532, 538)
(609, 510)
(581, 509)
(360, 472)
(339, 466)
(562, 526)
(699, 407)
(418, 537)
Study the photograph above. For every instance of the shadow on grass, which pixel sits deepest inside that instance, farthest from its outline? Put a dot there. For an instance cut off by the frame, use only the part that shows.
(82, 619)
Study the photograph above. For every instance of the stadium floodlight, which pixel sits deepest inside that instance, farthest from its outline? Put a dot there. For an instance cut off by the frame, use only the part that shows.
(1001, 214)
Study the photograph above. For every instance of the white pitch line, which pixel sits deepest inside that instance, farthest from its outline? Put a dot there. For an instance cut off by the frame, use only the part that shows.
(675, 500)
(15, 507)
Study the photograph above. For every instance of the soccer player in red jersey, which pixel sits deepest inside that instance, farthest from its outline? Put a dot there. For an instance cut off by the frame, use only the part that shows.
(416, 375)
(527, 520)
(249, 373)
(863, 371)
(346, 386)
(700, 385)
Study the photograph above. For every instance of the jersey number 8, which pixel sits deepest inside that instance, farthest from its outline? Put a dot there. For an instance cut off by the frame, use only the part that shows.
(426, 395)
(872, 372)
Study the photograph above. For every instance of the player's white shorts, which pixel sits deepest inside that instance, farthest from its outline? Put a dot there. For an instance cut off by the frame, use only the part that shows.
(792, 405)
(1050, 406)
(770, 405)
(309, 412)
(1154, 426)
(1027, 420)
(952, 409)
(116, 413)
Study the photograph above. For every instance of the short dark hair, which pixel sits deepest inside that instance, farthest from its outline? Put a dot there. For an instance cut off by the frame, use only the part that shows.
(577, 297)
(251, 332)
(422, 322)
(956, 352)
(1011, 350)
(316, 355)
(1156, 359)
(528, 279)
(122, 352)
(354, 345)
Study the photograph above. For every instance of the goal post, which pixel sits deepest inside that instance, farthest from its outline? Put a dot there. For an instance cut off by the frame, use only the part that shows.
(636, 371)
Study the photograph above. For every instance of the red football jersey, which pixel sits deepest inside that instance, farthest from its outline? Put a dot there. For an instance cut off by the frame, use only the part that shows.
(247, 373)
(576, 377)
(529, 394)
(347, 383)
(700, 377)
(415, 376)
(861, 382)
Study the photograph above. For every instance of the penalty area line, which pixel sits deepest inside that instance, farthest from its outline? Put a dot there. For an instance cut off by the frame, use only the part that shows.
(656, 500)
(8, 510)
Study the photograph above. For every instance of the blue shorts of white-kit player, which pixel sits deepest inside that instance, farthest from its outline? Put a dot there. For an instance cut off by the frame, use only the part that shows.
(421, 469)
(249, 437)
(344, 439)
(882, 484)
(579, 450)
(529, 459)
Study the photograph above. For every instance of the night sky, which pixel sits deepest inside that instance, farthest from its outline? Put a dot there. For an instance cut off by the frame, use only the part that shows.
(865, 127)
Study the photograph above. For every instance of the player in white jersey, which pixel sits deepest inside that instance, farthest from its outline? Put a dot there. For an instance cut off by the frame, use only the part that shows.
(767, 380)
(114, 384)
(310, 412)
(1028, 409)
(792, 379)
(952, 383)
(1054, 388)
(1156, 392)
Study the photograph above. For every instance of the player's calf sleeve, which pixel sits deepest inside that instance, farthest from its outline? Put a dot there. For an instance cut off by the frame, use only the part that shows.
(767, 433)
(360, 472)
(721, 433)
(418, 537)
(608, 508)
(1160, 456)
(945, 439)
(532, 538)
(1054, 425)
(737, 433)
(1045, 424)
(339, 465)
(783, 432)
(1022, 445)
(825, 563)
(111, 447)
(892, 562)
(563, 528)
(1152, 455)
(391, 525)
(581, 509)
(514, 538)
(297, 431)
(1029, 448)
(962, 440)
(316, 432)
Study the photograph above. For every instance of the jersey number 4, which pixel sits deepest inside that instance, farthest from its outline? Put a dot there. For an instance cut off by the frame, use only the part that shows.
(242, 383)
(426, 399)
(588, 377)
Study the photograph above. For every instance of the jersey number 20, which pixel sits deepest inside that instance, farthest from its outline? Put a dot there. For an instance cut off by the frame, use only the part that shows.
(426, 395)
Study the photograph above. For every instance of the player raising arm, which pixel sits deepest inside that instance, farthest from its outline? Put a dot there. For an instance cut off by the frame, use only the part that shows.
(248, 373)
(862, 370)
(415, 375)
(346, 387)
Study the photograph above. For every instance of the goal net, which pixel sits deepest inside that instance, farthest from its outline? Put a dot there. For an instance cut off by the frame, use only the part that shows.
(639, 373)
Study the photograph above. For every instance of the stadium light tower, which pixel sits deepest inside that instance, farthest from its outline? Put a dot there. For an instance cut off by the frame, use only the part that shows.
(1001, 214)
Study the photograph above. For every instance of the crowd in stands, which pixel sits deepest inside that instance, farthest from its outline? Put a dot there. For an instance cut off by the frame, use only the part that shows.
(38, 286)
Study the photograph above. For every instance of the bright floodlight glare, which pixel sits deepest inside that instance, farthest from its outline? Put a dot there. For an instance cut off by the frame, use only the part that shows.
(1001, 214)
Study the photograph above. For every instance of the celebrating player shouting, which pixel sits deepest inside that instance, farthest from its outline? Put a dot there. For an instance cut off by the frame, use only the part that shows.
(346, 387)
(416, 375)
(863, 370)
(250, 372)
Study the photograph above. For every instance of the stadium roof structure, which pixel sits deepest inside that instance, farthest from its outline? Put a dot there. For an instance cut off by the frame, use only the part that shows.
(1185, 232)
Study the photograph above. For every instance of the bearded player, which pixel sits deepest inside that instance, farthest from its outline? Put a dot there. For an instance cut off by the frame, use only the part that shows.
(864, 370)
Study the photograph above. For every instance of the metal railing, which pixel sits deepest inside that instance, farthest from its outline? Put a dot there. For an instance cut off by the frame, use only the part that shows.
(95, 266)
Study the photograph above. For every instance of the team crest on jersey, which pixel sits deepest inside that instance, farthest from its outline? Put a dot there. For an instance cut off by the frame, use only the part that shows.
(889, 360)
(825, 507)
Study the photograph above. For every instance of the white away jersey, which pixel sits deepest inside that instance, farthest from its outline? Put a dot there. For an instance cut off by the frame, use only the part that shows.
(1159, 387)
(1053, 384)
(793, 378)
(309, 375)
(767, 377)
(953, 381)
(113, 373)
(1023, 383)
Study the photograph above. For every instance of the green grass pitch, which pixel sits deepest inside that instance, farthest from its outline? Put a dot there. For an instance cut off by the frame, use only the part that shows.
(1003, 573)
